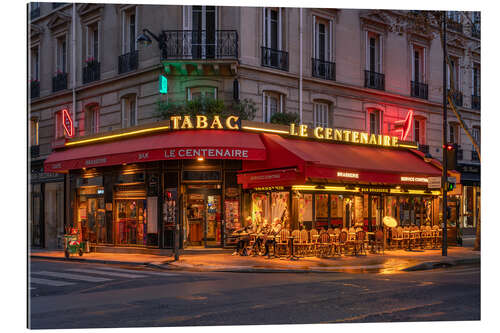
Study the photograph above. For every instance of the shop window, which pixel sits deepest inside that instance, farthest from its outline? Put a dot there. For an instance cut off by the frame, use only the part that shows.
(305, 210)
(91, 221)
(129, 111)
(279, 207)
(260, 207)
(201, 93)
(92, 119)
(321, 211)
(272, 103)
(321, 114)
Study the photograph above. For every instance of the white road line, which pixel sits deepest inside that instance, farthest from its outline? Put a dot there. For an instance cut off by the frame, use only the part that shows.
(51, 282)
(73, 276)
(141, 272)
(94, 271)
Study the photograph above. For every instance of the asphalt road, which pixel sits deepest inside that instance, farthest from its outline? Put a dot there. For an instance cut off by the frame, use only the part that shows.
(82, 295)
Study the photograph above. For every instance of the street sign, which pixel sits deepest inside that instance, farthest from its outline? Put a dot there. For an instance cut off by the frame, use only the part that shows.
(452, 180)
(434, 182)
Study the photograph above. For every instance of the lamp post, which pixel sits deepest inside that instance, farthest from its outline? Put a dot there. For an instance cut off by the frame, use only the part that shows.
(144, 39)
(445, 156)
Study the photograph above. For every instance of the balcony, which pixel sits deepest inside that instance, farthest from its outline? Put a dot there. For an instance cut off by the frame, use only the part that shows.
(35, 89)
(323, 69)
(274, 58)
(91, 72)
(60, 82)
(199, 44)
(476, 102)
(474, 156)
(457, 98)
(423, 148)
(374, 80)
(35, 151)
(128, 62)
(34, 13)
(460, 154)
(419, 90)
(455, 26)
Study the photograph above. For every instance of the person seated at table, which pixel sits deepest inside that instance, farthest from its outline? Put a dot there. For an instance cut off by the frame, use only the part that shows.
(275, 230)
(262, 233)
(244, 237)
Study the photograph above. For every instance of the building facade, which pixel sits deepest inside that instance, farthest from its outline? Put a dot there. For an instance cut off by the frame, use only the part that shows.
(337, 68)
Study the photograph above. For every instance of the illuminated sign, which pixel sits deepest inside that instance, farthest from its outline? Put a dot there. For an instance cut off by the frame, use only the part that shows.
(203, 122)
(67, 123)
(414, 179)
(342, 135)
(347, 174)
(404, 126)
(269, 188)
(226, 153)
(162, 84)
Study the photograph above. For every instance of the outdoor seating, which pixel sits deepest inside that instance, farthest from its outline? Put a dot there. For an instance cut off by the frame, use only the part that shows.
(396, 237)
(359, 246)
(342, 242)
(406, 237)
(435, 236)
(282, 242)
(300, 242)
(313, 238)
(323, 245)
(379, 240)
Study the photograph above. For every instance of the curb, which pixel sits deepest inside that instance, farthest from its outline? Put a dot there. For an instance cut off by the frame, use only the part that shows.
(442, 264)
(98, 261)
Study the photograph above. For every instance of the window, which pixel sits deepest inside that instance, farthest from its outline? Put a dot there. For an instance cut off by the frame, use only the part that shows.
(129, 111)
(320, 116)
(202, 92)
(92, 119)
(35, 64)
(375, 121)
(418, 64)
(204, 19)
(322, 38)
(129, 32)
(476, 134)
(454, 133)
(34, 132)
(272, 28)
(93, 42)
(476, 80)
(454, 68)
(419, 130)
(453, 16)
(374, 52)
(58, 126)
(61, 54)
(272, 103)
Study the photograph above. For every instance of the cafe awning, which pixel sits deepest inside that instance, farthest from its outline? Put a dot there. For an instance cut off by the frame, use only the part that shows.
(209, 144)
(295, 162)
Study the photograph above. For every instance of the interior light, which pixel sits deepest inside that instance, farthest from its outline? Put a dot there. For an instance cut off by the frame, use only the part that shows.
(200, 159)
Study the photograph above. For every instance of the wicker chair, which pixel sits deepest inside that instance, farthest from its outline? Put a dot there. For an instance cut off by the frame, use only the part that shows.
(342, 242)
(406, 236)
(313, 237)
(379, 240)
(435, 236)
(396, 237)
(282, 243)
(359, 246)
(323, 245)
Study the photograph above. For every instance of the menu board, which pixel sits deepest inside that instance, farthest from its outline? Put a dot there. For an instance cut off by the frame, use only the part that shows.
(358, 209)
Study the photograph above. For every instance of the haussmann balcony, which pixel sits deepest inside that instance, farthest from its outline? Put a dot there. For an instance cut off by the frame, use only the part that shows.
(128, 62)
(476, 102)
(419, 90)
(323, 69)
(91, 72)
(274, 58)
(188, 51)
(374, 80)
(35, 89)
(59, 82)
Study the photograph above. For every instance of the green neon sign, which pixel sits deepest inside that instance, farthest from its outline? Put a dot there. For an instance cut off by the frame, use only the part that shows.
(162, 84)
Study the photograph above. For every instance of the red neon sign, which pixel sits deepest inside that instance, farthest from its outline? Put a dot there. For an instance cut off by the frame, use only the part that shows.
(404, 126)
(67, 123)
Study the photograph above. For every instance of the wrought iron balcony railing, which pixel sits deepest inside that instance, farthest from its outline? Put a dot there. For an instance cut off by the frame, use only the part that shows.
(91, 72)
(476, 102)
(35, 89)
(460, 154)
(457, 98)
(474, 156)
(60, 82)
(128, 62)
(419, 90)
(199, 44)
(35, 151)
(323, 69)
(34, 13)
(274, 58)
(455, 26)
(374, 80)
(423, 148)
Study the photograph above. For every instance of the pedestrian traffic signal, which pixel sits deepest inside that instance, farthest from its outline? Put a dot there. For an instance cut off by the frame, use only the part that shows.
(163, 84)
(450, 186)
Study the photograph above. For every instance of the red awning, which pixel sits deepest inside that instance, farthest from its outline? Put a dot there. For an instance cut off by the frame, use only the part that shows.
(320, 161)
(211, 144)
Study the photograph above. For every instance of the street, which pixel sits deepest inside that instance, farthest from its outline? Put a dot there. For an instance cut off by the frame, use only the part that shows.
(83, 295)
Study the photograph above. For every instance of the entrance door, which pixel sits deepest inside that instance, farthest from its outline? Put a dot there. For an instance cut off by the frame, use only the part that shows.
(204, 217)
(131, 223)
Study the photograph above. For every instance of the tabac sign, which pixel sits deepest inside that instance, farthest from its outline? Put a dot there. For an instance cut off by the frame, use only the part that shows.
(344, 135)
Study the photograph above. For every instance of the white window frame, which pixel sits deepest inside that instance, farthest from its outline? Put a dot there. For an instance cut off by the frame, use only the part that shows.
(94, 129)
(58, 126)
(457, 73)
(422, 63)
(422, 130)
(127, 110)
(202, 90)
(328, 38)
(266, 22)
(89, 40)
(321, 112)
(378, 51)
(58, 56)
(266, 104)
(126, 38)
(378, 114)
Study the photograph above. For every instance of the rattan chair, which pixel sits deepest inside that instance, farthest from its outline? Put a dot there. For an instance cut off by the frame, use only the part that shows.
(359, 246)
(282, 242)
(323, 245)
(379, 240)
(342, 242)
(396, 237)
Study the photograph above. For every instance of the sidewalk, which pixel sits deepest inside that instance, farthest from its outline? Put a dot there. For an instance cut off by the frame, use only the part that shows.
(390, 262)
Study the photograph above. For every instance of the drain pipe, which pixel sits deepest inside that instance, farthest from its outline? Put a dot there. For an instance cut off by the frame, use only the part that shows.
(73, 71)
(300, 65)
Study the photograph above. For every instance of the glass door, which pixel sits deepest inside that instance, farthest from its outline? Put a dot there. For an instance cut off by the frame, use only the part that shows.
(203, 224)
(213, 220)
(203, 33)
(131, 222)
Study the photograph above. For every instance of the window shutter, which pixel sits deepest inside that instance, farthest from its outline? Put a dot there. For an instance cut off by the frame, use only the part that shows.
(280, 28)
(124, 113)
(412, 61)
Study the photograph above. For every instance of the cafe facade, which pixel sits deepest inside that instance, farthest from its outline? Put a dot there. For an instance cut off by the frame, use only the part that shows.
(204, 176)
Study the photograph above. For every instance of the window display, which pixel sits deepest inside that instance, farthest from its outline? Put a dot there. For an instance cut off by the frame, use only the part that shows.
(279, 207)
(131, 222)
(91, 215)
(305, 210)
(260, 207)
(321, 210)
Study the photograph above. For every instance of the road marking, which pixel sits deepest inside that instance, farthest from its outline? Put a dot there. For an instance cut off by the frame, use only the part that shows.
(141, 272)
(73, 276)
(94, 271)
(51, 282)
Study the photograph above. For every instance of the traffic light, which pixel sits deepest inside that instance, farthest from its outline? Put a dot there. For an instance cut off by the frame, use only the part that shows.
(162, 84)
(450, 186)
(451, 155)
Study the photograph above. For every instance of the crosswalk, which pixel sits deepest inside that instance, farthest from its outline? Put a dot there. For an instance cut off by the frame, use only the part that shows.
(72, 276)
